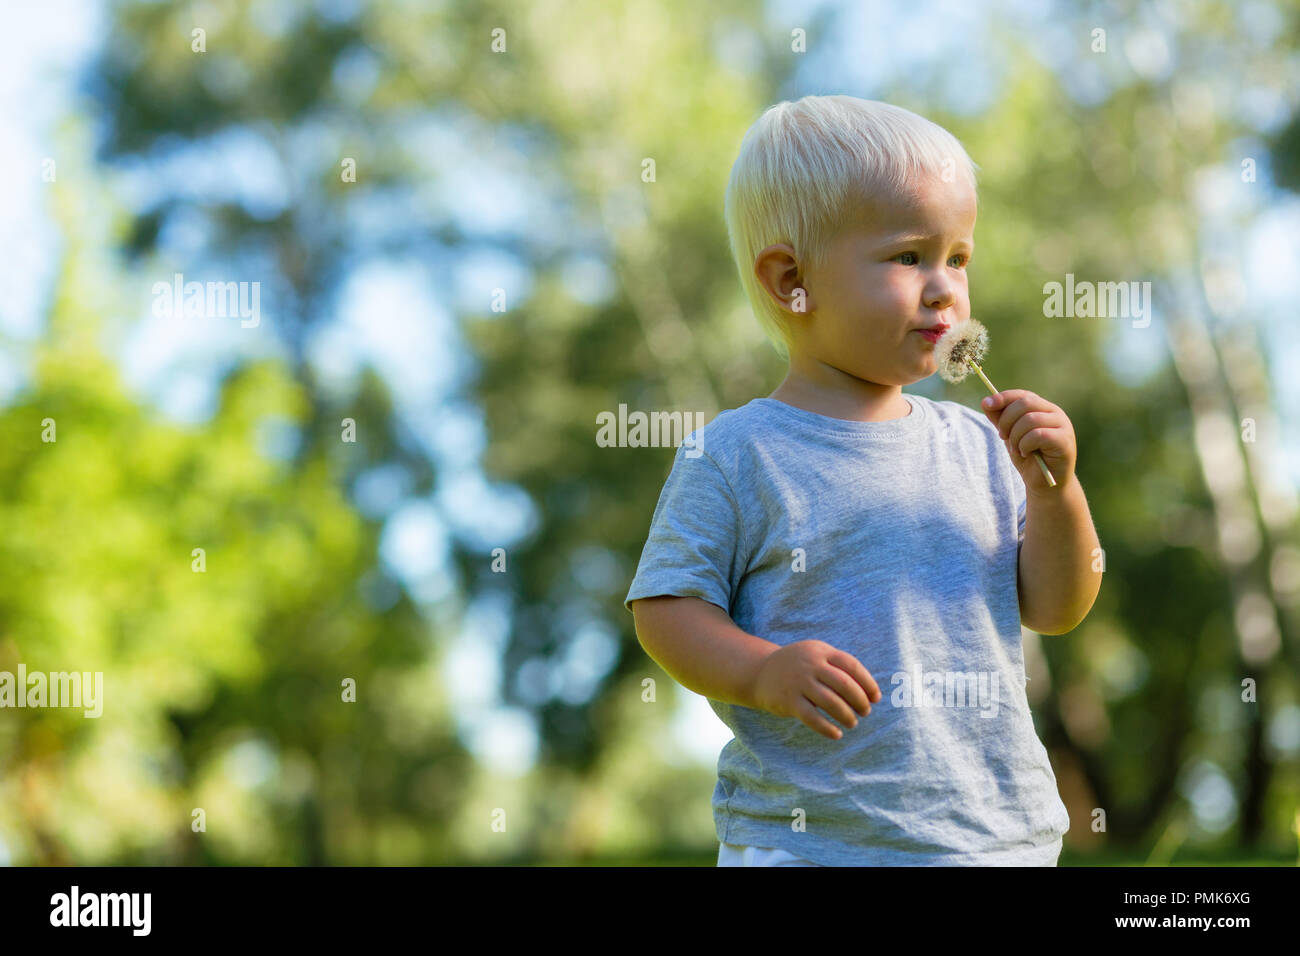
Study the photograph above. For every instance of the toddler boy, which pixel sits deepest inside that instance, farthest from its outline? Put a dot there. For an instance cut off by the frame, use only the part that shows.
(843, 569)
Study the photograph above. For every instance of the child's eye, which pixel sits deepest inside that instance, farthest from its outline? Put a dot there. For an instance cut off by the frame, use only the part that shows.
(959, 259)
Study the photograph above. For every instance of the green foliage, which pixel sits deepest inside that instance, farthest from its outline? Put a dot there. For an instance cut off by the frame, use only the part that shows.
(222, 687)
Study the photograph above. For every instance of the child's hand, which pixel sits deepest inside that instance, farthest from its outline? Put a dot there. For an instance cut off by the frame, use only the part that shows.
(1028, 423)
(806, 673)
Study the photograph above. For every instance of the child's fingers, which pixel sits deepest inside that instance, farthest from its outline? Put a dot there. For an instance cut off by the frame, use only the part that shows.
(1002, 399)
(1027, 422)
(832, 704)
(1040, 440)
(855, 669)
(847, 690)
(809, 714)
(1015, 402)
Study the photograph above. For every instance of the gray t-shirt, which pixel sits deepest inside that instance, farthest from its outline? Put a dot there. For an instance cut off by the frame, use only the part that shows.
(897, 542)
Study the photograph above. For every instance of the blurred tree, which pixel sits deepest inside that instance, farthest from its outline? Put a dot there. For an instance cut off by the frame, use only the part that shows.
(223, 688)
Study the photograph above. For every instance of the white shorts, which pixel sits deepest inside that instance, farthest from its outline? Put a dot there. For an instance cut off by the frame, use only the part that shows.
(731, 854)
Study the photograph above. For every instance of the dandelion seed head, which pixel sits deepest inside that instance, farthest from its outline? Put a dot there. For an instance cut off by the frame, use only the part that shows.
(958, 348)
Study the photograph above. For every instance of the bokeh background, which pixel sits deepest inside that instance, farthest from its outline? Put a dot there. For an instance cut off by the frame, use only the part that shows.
(500, 272)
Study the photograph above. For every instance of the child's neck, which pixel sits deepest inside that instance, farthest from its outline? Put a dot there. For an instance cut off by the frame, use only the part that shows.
(852, 398)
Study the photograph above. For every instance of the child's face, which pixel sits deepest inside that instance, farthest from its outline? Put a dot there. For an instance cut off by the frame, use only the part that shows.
(902, 269)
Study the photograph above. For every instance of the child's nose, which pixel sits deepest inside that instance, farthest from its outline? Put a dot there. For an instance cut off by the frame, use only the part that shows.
(942, 295)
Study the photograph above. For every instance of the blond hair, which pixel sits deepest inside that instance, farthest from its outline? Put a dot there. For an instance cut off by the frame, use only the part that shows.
(805, 169)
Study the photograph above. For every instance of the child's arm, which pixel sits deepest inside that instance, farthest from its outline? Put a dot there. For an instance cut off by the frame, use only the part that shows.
(700, 647)
(1057, 580)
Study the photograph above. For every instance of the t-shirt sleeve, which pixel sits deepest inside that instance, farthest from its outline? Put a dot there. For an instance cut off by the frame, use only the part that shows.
(694, 538)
